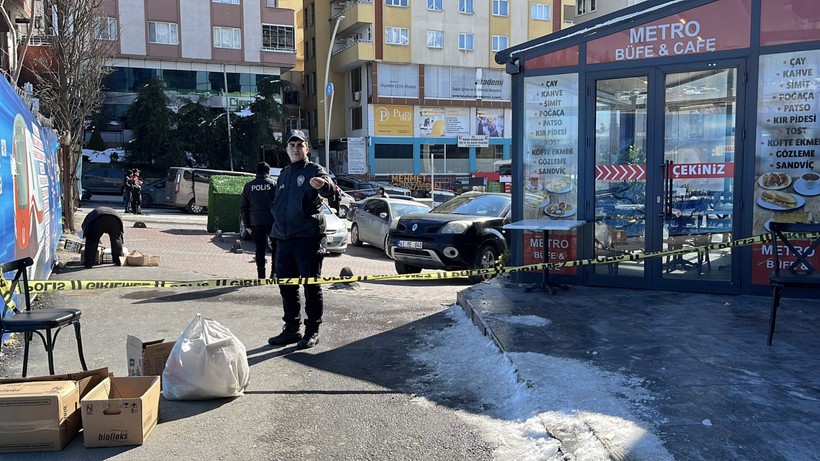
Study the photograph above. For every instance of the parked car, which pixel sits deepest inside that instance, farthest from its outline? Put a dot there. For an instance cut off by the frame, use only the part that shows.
(104, 181)
(344, 204)
(466, 232)
(391, 189)
(153, 193)
(359, 189)
(372, 221)
(335, 231)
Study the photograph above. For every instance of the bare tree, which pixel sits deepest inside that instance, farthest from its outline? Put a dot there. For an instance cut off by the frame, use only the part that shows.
(68, 83)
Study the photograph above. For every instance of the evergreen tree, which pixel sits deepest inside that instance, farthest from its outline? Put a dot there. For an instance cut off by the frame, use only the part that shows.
(196, 132)
(96, 141)
(153, 126)
(255, 132)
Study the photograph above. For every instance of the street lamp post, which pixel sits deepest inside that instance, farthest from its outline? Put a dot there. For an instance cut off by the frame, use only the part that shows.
(329, 93)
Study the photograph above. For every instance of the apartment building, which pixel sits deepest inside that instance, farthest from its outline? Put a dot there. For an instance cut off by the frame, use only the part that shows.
(414, 81)
(198, 47)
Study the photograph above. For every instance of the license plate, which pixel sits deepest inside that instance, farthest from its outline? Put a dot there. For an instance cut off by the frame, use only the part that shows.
(409, 244)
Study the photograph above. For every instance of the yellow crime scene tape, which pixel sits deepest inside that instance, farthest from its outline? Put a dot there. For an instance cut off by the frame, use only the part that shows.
(42, 286)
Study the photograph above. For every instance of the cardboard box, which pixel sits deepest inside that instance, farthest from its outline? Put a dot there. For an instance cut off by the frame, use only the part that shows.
(147, 358)
(138, 259)
(120, 411)
(38, 415)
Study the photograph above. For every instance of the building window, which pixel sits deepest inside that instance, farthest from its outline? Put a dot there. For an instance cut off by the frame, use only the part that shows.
(500, 42)
(435, 39)
(165, 33)
(307, 84)
(501, 8)
(356, 118)
(396, 3)
(272, 3)
(232, 2)
(290, 98)
(105, 28)
(397, 36)
(540, 12)
(435, 5)
(465, 42)
(585, 6)
(278, 38)
(227, 37)
(466, 6)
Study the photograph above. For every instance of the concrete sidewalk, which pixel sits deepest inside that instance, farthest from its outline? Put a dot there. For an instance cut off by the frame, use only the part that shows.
(720, 392)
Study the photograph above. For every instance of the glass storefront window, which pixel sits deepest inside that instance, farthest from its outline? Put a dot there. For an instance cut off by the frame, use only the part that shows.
(393, 158)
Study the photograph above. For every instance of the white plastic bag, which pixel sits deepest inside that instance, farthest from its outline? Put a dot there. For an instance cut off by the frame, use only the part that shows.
(207, 362)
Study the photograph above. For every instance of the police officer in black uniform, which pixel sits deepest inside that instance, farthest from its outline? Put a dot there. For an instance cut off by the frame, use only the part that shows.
(102, 220)
(299, 228)
(255, 203)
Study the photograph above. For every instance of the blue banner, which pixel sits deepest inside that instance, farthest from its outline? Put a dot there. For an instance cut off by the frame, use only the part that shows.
(30, 206)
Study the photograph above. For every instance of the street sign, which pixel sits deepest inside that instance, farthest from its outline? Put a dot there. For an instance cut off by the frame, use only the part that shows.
(473, 140)
(329, 89)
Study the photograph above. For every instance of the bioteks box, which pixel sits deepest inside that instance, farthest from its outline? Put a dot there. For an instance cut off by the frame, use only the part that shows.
(38, 416)
(147, 358)
(120, 411)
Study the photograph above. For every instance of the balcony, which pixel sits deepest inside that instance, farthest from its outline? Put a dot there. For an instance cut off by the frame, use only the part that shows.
(358, 14)
(352, 54)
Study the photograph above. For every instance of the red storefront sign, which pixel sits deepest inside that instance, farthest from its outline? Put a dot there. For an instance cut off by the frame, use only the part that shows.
(700, 30)
(702, 170)
(560, 248)
(676, 171)
(763, 260)
(620, 172)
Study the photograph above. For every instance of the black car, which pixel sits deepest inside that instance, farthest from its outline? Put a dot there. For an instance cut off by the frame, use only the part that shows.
(463, 233)
(104, 181)
(358, 188)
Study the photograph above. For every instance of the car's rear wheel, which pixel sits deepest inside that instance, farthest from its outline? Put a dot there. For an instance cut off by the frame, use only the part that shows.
(194, 208)
(147, 201)
(484, 259)
(343, 211)
(354, 236)
(402, 268)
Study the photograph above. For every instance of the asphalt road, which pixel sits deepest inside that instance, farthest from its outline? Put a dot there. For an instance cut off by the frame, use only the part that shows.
(360, 394)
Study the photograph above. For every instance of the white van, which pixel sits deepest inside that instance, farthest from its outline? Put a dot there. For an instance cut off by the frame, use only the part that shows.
(187, 188)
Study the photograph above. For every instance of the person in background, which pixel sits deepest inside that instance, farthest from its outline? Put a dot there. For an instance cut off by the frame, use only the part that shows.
(382, 192)
(136, 191)
(299, 229)
(102, 220)
(254, 205)
(126, 190)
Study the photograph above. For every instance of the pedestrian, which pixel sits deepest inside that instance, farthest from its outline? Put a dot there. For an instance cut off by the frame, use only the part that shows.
(136, 191)
(382, 192)
(102, 220)
(299, 229)
(126, 190)
(257, 196)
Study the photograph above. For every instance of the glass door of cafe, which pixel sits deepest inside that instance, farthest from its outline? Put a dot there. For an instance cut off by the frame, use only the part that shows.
(664, 177)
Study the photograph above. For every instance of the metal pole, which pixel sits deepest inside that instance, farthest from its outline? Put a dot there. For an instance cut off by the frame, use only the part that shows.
(228, 114)
(329, 92)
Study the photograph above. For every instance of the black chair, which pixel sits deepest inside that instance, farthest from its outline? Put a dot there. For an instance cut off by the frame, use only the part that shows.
(799, 274)
(28, 322)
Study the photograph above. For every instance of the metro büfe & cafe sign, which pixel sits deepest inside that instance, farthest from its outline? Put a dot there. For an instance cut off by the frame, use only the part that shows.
(699, 30)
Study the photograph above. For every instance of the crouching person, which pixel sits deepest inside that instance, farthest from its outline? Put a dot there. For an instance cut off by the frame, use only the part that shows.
(102, 220)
